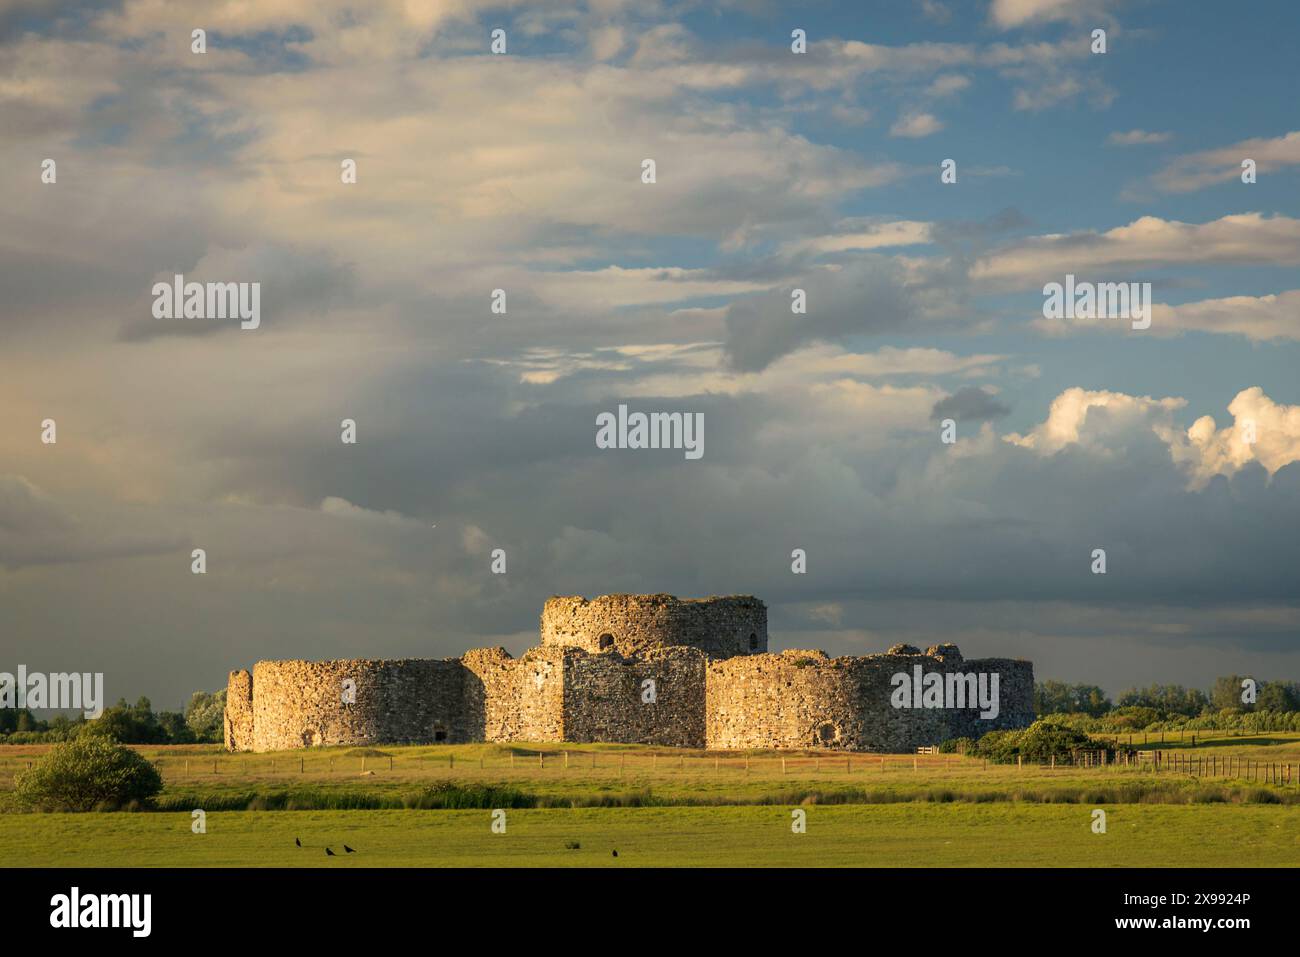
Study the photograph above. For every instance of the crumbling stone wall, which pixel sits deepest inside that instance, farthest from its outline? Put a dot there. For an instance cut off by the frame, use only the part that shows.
(515, 699)
(605, 697)
(803, 699)
(239, 711)
(300, 703)
(631, 624)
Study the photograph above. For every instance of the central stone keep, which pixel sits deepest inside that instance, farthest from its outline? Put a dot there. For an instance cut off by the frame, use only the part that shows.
(636, 669)
(634, 624)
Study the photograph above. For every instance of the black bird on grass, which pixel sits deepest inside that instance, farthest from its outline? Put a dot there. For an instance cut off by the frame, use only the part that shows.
(348, 849)
(330, 853)
(616, 853)
(298, 842)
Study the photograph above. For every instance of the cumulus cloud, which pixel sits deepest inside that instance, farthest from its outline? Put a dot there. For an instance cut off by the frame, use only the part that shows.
(1096, 418)
(1262, 431)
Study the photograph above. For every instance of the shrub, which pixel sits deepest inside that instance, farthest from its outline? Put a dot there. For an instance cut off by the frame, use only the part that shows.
(88, 773)
(1041, 741)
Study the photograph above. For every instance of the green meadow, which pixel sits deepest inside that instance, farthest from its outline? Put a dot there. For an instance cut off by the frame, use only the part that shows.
(893, 835)
(574, 805)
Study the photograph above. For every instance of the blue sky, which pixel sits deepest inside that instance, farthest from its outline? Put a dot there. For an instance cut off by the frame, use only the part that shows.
(775, 171)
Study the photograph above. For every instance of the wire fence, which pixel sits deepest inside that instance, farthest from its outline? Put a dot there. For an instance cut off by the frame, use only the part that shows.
(557, 763)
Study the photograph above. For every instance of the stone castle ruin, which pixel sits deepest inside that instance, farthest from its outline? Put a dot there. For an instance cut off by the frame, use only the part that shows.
(636, 669)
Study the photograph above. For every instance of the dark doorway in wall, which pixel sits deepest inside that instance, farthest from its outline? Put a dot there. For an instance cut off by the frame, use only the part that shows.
(606, 641)
(439, 734)
(753, 642)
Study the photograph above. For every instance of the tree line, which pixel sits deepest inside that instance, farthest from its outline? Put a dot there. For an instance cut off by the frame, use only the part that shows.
(1228, 705)
(201, 722)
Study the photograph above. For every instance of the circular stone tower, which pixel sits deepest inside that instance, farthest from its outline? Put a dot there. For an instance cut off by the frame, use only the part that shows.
(629, 624)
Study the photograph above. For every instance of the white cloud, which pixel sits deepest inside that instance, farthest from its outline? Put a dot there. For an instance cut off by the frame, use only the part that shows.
(1068, 417)
(857, 235)
(916, 125)
(1137, 138)
(1246, 238)
(1210, 167)
(1262, 431)
(1275, 429)
(1259, 318)
(1016, 13)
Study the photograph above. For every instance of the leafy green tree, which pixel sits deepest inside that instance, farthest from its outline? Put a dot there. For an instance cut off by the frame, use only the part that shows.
(90, 772)
(1279, 696)
(1057, 697)
(205, 715)
(129, 724)
(1227, 693)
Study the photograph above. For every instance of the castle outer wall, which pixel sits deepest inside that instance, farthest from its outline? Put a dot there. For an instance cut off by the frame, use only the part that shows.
(803, 699)
(648, 669)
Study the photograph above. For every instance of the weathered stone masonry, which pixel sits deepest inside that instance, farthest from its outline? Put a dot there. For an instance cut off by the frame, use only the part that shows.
(643, 669)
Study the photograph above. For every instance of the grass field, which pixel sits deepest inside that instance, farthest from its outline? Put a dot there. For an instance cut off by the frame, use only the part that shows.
(663, 807)
(907, 835)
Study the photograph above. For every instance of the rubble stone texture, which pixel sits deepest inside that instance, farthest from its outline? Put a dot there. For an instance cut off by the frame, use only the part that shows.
(637, 669)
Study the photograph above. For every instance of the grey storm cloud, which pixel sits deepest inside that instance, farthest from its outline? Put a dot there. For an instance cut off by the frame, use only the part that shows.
(971, 404)
(868, 297)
